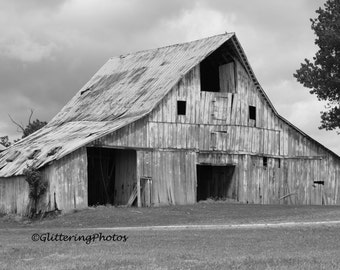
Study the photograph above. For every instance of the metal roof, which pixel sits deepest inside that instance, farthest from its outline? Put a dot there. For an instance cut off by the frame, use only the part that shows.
(125, 89)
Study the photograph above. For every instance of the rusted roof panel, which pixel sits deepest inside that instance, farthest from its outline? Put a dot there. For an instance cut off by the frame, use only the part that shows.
(125, 89)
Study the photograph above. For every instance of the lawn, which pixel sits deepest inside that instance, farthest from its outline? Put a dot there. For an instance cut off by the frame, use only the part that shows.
(301, 247)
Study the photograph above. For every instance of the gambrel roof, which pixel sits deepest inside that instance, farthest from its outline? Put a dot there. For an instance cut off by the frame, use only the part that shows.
(124, 90)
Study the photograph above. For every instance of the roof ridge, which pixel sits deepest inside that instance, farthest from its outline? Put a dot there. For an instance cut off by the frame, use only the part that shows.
(172, 45)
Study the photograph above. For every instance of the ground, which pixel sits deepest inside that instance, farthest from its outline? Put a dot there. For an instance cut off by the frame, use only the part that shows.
(243, 237)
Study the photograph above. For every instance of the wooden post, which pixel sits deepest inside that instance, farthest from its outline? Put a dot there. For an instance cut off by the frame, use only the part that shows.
(138, 176)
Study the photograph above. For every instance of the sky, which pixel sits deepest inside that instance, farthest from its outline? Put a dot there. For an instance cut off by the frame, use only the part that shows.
(49, 49)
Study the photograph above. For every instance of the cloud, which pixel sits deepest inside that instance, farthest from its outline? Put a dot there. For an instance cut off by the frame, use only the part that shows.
(201, 21)
(31, 5)
(23, 31)
(50, 49)
(19, 45)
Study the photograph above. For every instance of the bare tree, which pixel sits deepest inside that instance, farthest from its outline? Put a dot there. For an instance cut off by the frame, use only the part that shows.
(31, 126)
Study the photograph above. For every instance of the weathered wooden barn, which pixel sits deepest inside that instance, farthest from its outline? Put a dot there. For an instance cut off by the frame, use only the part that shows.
(173, 125)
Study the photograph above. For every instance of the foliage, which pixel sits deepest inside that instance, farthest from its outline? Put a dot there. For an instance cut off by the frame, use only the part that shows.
(31, 126)
(37, 186)
(5, 141)
(322, 74)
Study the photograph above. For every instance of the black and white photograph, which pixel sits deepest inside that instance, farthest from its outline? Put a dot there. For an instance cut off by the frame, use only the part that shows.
(158, 134)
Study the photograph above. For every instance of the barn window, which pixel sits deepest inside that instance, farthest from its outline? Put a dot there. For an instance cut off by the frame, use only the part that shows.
(210, 78)
(252, 113)
(181, 107)
(252, 116)
(265, 161)
(319, 182)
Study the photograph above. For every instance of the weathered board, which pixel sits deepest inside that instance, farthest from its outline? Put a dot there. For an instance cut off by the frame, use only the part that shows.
(13, 195)
(173, 175)
(67, 182)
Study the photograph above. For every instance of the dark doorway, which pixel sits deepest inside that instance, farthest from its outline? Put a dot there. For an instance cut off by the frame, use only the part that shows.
(214, 182)
(218, 71)
(111, 175)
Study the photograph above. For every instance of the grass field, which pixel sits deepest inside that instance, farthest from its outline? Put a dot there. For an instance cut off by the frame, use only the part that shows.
(300, 247)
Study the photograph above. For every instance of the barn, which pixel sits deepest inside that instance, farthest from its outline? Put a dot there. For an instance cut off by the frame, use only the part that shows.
(172, 125)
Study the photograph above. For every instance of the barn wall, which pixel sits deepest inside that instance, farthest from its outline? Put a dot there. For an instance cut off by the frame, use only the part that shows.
(187, 89)
(13, 195)
(252, 182)
(133, 135)
(67, 186)
(173, 175)
(288, 181)
(281, 181)
(214, 121)
(67, 182)
(219, 123)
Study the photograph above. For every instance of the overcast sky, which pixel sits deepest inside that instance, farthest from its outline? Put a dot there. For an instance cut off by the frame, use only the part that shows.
(49, 49)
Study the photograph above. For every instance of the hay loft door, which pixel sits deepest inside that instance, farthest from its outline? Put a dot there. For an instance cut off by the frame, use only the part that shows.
(111, 175)
(214, 181)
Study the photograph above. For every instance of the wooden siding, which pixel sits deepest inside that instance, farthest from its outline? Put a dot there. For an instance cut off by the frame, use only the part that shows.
(13, 195)
(282, 181)
(133, 135)
(219, 123)
(227, 115)
(173, 175)
(217, 126)
(67, 186)
(67, 182)
(227, 77)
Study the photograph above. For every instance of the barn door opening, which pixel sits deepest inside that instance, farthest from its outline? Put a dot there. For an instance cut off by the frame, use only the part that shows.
(111, 175)
(214, 182)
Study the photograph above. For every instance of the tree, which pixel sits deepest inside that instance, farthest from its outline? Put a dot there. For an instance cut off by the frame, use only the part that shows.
(5, 141)
(31, 126)
(37, 188)
(322, 74)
